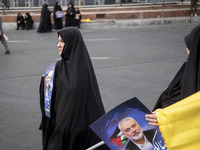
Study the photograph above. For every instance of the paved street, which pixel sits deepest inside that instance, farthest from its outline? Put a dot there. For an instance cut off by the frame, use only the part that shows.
(131, 62)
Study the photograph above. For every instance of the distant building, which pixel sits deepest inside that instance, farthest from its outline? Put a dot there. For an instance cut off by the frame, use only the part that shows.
(39, 3)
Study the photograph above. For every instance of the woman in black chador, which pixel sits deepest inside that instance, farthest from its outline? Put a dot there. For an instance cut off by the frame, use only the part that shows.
(70, 16)
(76, 101)
(57, 20)
(45, 20)
(77, 18)
(28, 21)
(20, 21)
(187, 81)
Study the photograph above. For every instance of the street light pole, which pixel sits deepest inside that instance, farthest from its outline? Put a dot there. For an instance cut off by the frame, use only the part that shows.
(31, 3)
(3, 5)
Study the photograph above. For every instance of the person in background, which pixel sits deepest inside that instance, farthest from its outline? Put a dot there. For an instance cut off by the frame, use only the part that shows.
(20, 21)
(45, 20)
(187, 80)
(70, 16)
(2, 38)
(57, 18)
(28, 21)
(194, 4)
(77, 18)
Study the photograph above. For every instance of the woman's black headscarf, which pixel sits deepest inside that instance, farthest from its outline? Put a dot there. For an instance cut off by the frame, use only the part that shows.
(56, 7)
(187, 80)
(76, 100)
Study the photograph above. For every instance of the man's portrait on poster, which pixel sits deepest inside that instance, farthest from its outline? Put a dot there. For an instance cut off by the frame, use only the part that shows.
(125, 128)
(138, 139)
(48, 87)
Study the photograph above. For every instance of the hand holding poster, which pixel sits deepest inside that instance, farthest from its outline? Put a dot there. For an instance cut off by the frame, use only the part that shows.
(125, 128)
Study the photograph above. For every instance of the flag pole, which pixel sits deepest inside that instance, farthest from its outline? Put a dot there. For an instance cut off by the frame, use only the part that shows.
(79, 5)
(96, 145)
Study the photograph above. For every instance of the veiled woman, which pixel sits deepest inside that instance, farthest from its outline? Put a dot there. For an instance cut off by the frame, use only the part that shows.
(76, 100)
(20, 21)
(57, 20)
(45, 20)
(187, 80)
(70, 16)
(28, 21)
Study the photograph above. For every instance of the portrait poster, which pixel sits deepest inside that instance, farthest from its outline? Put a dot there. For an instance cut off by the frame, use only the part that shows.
(48, 87)
(107, 127)
(59, 14)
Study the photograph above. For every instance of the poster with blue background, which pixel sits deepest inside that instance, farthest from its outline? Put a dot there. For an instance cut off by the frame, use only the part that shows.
(48, 87)
(125, 128)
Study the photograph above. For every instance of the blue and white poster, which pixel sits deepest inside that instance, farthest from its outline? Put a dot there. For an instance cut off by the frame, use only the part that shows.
(125, 128)
(48, 87)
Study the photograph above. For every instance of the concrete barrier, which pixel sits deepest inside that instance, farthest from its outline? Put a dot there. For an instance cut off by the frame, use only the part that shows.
(120, 23)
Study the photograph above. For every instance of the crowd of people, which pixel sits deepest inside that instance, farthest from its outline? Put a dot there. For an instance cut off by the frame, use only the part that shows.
(72, 18)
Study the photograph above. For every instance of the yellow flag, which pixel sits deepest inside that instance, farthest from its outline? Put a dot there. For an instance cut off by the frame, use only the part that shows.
(180, 124)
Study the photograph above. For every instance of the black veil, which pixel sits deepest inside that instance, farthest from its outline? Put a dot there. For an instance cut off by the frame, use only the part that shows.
(57, 21)
(187, 80)
(45, 20)
(76, 100)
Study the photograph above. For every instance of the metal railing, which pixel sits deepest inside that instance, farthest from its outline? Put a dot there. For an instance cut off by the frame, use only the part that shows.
(39, 3)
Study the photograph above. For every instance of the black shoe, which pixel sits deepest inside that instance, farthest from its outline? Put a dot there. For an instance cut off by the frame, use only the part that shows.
(7, 52)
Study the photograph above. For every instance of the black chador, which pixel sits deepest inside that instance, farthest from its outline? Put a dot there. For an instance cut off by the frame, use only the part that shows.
(20, 21)
(70, 16)
(45, 20)
(76, 102)
(57, 20)
(77, 18)
(28, 21)
(187, 80)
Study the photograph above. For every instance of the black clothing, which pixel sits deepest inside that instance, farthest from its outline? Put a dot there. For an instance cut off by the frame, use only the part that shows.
(45, 20)
(28, 21)
(76, 101)
(20, 21)
(187, 80)
(57, 21)
(78, 17)
(193, 7)
(149, 134)
(70, 16)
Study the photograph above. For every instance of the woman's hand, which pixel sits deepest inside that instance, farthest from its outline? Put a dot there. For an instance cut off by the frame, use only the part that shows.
(152, 118)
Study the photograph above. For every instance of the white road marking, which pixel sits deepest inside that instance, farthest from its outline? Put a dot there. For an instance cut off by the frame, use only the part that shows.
(91, 40)
(15, 41)
(104, 58)
(97, 58)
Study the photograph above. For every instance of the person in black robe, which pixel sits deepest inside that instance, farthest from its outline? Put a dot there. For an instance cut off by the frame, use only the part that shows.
(77, 18)
(76, 102)
(70, 16)
(187, 81)
(57, 21)
(28, 21)
(20, 21)
(193, 8)
(45, 20)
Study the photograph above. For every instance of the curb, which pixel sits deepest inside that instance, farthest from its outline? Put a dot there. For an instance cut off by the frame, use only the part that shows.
(121, 23)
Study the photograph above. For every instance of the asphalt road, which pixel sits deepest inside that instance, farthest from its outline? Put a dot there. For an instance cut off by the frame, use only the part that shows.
(131, 62)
